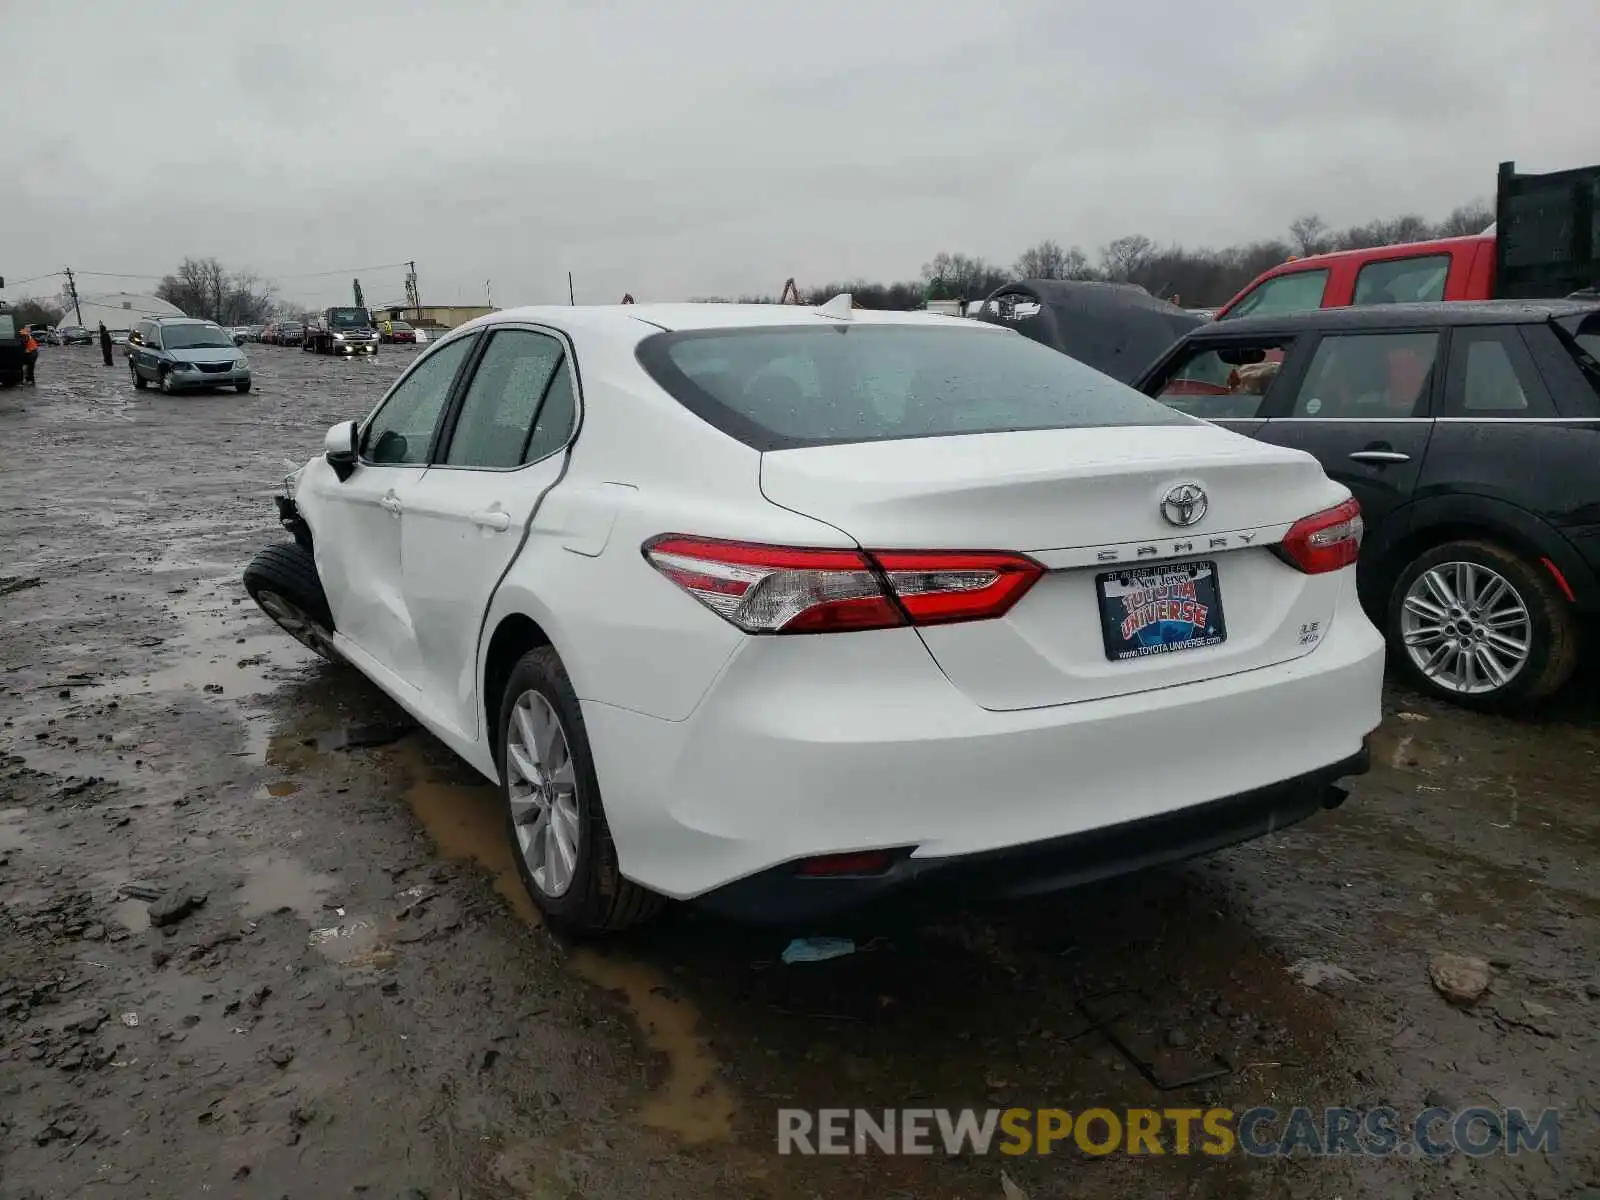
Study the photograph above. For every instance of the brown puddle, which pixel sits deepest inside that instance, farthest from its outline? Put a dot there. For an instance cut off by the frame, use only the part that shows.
(466, 823)
(692, 1104)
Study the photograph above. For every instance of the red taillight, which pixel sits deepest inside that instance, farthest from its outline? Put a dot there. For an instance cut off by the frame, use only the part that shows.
(936, 587)
(779, 589)
(1324, 541)
(864, 862)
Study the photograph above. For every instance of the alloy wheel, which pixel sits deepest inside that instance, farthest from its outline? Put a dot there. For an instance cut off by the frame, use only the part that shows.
(298, 624)
(543, 792)
(1466, 627)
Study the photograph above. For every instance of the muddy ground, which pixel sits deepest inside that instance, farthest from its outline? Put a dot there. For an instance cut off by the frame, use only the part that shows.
(363, 1004)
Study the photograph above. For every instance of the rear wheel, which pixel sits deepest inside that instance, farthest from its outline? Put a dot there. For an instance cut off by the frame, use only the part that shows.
(554, 819)
(282, 580)
(1476, 624)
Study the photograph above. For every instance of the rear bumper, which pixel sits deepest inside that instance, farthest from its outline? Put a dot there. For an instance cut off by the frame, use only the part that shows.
(838, 743)
(782, 894)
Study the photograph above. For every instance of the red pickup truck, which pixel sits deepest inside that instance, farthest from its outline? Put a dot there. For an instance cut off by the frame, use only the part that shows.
(1545, 243)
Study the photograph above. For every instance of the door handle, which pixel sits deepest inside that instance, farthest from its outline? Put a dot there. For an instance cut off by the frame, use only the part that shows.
(493, 519)
(1380, 456)
(391, 503)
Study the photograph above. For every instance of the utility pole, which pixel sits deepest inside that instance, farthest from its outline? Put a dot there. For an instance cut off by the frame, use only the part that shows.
(72, 290)
(570, 300)
(411, 286)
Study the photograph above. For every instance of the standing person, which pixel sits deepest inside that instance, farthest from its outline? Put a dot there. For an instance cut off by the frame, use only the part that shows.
(105, 343)
(30, 353)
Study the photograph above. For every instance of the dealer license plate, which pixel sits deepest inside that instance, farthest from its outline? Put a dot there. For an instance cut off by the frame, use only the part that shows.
(1160, 610)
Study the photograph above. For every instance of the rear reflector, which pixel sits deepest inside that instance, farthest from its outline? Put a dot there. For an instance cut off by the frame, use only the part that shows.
(1324, 541)
(780, 589)
(866, 862)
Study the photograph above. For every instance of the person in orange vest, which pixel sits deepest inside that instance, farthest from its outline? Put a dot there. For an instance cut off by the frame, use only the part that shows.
(30, 353)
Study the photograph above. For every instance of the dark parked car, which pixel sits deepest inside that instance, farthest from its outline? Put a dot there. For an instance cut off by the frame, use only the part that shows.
(290, 333)
(1470, 434)
(11, 356)
(74, 335)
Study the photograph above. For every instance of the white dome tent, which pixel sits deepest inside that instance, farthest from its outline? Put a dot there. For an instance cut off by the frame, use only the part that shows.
(120, 311)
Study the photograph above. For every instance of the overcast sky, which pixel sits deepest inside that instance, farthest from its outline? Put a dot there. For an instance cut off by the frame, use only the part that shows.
(693, 147)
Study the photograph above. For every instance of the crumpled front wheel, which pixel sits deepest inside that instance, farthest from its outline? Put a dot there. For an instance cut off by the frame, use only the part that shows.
(282, 580)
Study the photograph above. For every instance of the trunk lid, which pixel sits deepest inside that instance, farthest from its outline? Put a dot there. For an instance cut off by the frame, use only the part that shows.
(1086, 503)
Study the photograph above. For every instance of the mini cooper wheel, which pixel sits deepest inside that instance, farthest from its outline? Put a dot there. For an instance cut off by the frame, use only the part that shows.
(283, 582)
(554, 819)
(1478, 625)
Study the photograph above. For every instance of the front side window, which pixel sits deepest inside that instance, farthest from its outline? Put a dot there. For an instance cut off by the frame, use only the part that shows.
(1229, 382)
(779, 388)
(1402, 280)
(1297, 291)
(497, 414)
(1370, 376)
(401, 432)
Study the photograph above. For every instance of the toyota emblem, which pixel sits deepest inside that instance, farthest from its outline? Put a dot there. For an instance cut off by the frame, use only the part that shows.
(1184, 504)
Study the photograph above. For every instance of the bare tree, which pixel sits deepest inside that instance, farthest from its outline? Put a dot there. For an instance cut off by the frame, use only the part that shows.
(1310, 234)
(29, 311)
(960, 277)
(1049, 260)
(1120, 261)
(203, 287)
(1466, 219)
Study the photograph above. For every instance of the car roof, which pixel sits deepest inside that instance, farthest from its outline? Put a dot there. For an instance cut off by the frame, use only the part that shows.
(1398, 316)
(625, 320)
(184, 321)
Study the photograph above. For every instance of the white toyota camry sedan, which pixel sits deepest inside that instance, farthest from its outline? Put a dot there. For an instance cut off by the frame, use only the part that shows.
(781, 608)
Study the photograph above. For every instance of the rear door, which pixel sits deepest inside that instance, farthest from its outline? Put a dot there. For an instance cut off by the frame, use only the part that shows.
(466, 518)
(1364, 408)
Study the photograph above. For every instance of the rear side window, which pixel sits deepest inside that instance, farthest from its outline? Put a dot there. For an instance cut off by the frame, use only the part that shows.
(1297, 291)
(1403, 280)
(776, 389)
(1492, 375)
(8, 327)
(497, 413)
(1368, 376)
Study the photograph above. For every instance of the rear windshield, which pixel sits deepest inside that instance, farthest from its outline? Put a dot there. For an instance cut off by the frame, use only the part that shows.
(776, 389)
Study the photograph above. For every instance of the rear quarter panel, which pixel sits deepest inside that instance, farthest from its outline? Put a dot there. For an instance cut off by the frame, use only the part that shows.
(641, 466)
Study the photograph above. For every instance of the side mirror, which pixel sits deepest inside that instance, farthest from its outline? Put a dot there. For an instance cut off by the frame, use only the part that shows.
(339, 448)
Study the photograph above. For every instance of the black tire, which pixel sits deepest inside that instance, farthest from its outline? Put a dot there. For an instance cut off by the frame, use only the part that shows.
(1553, 633)
(599, 900)
(288, 572)
(242, 388)
(139, 381)
(164, 382)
